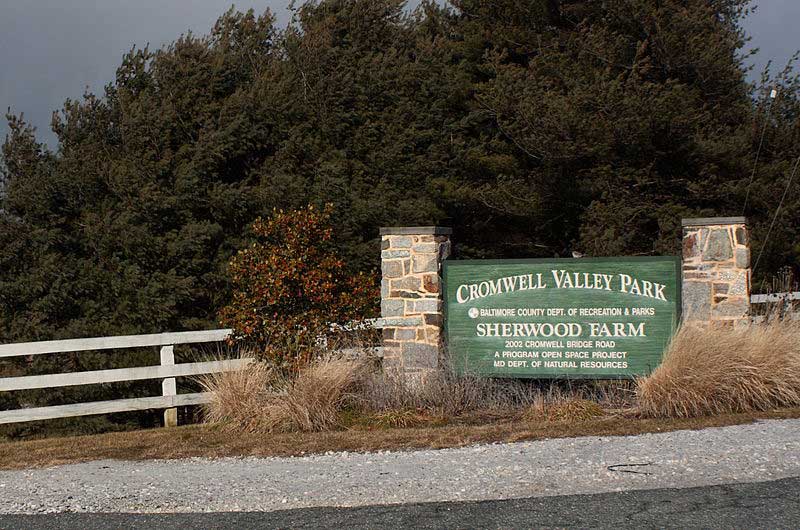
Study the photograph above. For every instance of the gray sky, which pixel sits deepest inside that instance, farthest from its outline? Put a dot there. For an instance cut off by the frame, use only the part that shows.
(51, 50)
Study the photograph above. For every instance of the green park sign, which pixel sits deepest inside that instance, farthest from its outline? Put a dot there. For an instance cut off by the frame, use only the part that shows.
(577, 318)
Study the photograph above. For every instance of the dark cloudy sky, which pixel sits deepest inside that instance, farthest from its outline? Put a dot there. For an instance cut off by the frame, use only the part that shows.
(51, 50)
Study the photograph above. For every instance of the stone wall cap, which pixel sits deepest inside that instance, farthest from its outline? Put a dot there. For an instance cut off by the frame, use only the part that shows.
(415, 231)
(709, 221)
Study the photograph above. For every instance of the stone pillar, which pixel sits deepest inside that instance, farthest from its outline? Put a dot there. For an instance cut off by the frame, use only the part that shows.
(411, 297)
(716, 271)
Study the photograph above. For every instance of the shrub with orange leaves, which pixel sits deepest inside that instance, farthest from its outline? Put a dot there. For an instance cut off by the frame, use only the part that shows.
(291, 289)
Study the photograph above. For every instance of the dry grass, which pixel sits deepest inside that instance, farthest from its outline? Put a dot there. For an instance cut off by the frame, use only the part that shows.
(705, 372)
(443, 393)
(346, 393)
(394, 419)
(564, 409)
(238, 398)
(259, 400)
(722, 371)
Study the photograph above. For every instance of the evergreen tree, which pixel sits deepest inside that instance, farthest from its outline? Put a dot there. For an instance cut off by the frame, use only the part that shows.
(532, 127)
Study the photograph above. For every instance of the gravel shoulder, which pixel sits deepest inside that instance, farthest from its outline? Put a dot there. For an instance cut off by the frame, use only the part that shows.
(763, 451)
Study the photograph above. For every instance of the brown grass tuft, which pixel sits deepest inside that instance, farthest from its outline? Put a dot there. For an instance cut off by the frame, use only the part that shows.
(402, 419)
(258, 400)
(238, 398)
(575, 410)
(558, 405)
(721, 371)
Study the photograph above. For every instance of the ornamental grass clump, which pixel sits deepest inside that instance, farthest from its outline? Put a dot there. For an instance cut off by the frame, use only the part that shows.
(720, 371)
(260, 399)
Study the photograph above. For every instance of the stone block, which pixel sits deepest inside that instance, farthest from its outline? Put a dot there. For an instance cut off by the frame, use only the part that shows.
(720, 288)
(384, 243)
(718, 247)
(419, 355)
(431, 305)
(690, 245)
(433, 334)
(444, 250)
(392, 308)
(430, 283)
(405, 334)
(426, 248)
(387, 334)
(425, 263)
(385, 291)
(741, 236)
(393, 363)
(400, 322)
(696, 300)
(695, 275)
(409, 283)
(731, 308)
(392, 268)
(395, 254)
(742, 258)
(401, 241)
(740, 285)
(434, 319)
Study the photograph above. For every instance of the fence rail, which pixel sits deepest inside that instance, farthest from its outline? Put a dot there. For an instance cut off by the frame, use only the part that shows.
(167, 371)
(774, 297)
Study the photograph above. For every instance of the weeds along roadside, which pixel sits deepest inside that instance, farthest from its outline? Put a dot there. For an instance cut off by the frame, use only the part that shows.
(705, 372)
(336, 392)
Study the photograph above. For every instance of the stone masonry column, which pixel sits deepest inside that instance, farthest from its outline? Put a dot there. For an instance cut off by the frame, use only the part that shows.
(716, 271)
(411, 297)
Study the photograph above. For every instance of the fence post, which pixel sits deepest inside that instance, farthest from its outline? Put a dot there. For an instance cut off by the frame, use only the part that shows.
(716, 271)
(169, 386)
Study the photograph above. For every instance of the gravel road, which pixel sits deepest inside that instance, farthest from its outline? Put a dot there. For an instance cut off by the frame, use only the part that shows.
(767, 450)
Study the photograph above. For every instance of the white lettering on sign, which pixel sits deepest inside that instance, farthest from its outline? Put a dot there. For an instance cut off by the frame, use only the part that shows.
(522, 282)
(563, 279)
(561, 329)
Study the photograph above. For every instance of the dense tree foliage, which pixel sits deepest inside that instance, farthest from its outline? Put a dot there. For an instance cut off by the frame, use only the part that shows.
(533, 127)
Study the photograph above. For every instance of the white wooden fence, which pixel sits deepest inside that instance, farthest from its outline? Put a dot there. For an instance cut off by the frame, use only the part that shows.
(167, 371)
(775, 305)
(774, 298)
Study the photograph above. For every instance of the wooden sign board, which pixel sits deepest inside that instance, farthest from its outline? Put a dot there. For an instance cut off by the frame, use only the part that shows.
(568, 318)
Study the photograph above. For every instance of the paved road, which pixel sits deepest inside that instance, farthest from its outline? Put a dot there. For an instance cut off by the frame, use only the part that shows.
(774, 504)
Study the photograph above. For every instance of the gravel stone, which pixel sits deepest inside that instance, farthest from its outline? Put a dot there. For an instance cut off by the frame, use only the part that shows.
(763, 451)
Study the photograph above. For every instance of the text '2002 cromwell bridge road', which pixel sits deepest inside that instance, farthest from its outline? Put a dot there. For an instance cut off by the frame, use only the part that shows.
(588, 318)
